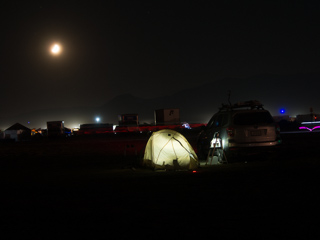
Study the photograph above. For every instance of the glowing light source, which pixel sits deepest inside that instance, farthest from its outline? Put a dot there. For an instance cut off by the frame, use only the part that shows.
(310, 129)
(55, 49)
(282, 110)
(97, 119)
(315, 122)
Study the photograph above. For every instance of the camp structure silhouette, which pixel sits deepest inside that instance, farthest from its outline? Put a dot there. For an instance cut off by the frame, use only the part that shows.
(168, 149)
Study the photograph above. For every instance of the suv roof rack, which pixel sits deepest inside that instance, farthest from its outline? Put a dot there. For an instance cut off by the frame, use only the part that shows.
(252, 104)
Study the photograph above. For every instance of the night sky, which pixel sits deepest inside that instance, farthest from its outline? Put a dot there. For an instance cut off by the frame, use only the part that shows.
(146, 48)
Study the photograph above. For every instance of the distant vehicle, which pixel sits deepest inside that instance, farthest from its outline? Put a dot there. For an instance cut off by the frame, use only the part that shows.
(55, 128)
(128, 119)
(242, 128)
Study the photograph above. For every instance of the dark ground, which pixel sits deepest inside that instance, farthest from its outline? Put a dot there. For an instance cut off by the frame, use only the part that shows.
(91, 188)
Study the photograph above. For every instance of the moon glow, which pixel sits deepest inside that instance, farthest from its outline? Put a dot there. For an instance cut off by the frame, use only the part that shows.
(55, 49)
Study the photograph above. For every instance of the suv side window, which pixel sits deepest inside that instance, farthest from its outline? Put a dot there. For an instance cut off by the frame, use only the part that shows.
(212, 122)
(218, 120)
(221, 120)
(225, 119)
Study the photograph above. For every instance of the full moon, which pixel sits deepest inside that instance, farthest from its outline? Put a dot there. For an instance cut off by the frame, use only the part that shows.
(56, 49)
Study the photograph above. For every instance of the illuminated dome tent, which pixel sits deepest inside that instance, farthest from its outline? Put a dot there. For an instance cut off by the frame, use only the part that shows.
(168, 149)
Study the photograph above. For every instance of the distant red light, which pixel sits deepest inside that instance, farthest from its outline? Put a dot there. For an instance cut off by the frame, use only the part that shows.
(194, 171)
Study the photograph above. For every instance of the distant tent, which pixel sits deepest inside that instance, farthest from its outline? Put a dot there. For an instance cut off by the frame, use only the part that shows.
(168, 149)
(18, 132)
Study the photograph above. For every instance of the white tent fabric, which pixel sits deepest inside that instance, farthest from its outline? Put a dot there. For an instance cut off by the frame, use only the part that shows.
(169, 149)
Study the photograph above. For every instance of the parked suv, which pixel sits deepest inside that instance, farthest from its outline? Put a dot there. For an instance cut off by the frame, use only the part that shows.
(242, 128)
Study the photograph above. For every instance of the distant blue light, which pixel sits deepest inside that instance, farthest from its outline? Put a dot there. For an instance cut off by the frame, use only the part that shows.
(282, 111)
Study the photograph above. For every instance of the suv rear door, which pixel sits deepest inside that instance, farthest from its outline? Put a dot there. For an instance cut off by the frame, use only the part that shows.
(253, 127)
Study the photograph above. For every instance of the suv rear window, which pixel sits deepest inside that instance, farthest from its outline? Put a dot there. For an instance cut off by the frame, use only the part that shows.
(252, 118)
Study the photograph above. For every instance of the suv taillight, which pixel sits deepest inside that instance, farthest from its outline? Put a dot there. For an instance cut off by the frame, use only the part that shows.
(230, 132)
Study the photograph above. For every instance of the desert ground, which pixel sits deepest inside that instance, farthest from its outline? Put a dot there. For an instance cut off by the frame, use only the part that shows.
(93, 188)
